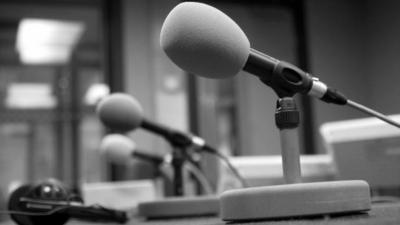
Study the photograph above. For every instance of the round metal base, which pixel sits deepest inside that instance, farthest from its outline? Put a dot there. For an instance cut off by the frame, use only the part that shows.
(295, 200)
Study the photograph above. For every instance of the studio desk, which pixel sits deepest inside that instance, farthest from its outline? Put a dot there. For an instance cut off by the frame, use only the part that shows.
(380, 214)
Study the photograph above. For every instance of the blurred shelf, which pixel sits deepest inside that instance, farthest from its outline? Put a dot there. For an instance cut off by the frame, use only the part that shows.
(43, 115)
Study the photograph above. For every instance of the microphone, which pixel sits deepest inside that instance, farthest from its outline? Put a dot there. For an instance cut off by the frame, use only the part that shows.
(118, 148)
(204, 41)
(121, 112)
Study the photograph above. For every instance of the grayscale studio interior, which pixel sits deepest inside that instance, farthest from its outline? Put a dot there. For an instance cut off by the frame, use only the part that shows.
(60, 59)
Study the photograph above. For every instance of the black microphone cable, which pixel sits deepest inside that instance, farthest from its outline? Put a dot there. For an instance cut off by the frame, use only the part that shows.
(22, 213)
(228, 164)
(98, 213)
(199, 175)
(85, 212)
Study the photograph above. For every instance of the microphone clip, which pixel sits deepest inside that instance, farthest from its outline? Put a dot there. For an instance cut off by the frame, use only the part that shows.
(287, 80)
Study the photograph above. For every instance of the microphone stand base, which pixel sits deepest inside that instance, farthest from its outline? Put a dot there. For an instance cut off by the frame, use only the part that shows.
(173, 207)
(295, 200)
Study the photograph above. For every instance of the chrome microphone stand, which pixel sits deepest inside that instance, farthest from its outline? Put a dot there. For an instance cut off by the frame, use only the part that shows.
(287, 119)
(293, 199)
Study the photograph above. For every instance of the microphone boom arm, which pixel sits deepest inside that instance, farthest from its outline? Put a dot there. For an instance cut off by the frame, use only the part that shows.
(374, 113)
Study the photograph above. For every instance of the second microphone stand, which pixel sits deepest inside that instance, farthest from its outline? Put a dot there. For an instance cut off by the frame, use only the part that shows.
(179, 205)
(180, 144)
(179, 158)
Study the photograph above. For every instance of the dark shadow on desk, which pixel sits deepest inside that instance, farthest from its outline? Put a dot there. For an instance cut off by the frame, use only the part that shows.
(380, 214)
(300, 219)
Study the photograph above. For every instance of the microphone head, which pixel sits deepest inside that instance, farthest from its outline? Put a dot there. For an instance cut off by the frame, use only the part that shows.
(117, 148)
(120, 112)
(204, 41)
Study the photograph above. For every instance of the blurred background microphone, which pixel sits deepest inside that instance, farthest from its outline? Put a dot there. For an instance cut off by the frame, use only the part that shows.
(121, 150)
(122, 113)
(118, 148)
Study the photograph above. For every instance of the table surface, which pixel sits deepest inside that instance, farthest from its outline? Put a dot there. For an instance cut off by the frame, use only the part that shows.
(381, 213)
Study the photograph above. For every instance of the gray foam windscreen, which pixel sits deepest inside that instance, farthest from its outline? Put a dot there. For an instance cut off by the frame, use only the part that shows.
(120, 112)
(204, 41)
(117, 148)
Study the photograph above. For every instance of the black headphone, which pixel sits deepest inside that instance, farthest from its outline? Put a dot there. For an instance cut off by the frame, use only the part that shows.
(49, 202)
